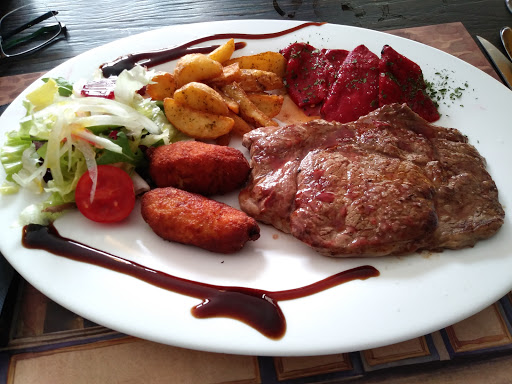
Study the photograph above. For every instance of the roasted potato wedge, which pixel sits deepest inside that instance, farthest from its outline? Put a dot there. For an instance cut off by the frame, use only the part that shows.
(241, 127)
(196, 124)
(248, 111)
(256, 80)
(270, 105)
(224, 52)
(162, 86)
(229, 74)
(265, 61)
(232, 104)
(202, 97)
(196, 67)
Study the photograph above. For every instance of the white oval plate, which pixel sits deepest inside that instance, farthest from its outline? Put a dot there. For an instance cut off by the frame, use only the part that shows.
(413, 296)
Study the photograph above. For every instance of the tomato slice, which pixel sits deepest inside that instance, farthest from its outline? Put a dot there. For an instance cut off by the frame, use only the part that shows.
(113, 199)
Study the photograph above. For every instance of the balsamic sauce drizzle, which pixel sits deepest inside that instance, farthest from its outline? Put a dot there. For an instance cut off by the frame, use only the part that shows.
(153, 58)
(254, 307)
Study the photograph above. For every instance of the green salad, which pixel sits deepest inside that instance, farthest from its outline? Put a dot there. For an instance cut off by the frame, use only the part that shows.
(68, 131)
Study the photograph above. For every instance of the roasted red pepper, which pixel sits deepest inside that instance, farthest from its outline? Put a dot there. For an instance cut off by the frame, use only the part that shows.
(355, 91)
(401, 81)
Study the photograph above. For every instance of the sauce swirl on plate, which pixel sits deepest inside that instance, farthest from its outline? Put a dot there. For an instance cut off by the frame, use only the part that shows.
(254, 307)
(153, 58)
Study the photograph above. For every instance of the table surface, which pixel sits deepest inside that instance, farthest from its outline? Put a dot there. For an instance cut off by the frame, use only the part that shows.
(94, 23)
(474, 351)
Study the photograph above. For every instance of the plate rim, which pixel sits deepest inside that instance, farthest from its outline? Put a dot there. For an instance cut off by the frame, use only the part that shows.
(264, 350)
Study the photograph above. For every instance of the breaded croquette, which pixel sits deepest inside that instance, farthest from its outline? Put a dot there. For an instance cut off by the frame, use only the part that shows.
(189, 218)
(194, 166)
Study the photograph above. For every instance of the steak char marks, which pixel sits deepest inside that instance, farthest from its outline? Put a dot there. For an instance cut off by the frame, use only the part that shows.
(388, 183)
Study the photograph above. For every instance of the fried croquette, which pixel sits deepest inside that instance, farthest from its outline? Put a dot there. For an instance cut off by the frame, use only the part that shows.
(198, 167)
(189, 218)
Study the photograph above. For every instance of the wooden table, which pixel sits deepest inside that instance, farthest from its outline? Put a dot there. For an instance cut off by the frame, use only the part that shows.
(94, 23)
(45, 338)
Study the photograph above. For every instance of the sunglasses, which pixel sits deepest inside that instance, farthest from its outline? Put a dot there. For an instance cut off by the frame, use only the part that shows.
(22, 31)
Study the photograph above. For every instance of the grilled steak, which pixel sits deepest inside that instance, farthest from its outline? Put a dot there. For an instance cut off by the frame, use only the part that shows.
(388, 183)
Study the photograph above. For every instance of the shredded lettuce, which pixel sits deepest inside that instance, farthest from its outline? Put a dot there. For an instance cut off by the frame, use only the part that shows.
(65, 88)
(130, 154)
(12, 153)
(130, 82)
